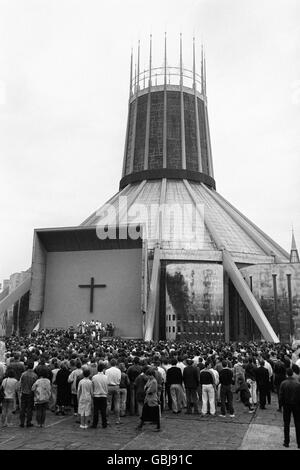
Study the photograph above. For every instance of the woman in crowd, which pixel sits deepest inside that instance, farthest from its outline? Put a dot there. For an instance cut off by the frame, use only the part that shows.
(151, 408)
(42, 395)
(10, 388)
(63, 389)
(85, 398)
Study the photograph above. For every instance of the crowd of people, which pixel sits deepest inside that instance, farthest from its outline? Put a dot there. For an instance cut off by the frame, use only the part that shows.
(78, 370)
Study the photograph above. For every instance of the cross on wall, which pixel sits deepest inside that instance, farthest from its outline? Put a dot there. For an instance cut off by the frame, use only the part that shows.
(91, 286)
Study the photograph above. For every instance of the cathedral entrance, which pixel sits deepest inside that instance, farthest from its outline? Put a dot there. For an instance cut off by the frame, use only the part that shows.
(193, 302)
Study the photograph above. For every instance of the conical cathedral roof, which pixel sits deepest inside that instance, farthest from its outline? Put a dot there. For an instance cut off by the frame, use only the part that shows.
(220, 225)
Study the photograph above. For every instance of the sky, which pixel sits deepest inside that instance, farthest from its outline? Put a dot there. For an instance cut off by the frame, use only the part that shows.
(64, 80)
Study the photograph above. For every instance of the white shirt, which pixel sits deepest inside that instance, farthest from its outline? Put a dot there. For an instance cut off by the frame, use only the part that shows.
(269, 368)
(99, 382)
(113, 375)
(162, 372)
(181, 366)
(216, 374)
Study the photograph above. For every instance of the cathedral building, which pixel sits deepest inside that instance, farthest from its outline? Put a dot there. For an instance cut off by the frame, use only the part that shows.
(167, 257)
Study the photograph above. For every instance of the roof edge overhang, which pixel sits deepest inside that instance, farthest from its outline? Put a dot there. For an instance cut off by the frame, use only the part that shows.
(89, 238)
(168, 173)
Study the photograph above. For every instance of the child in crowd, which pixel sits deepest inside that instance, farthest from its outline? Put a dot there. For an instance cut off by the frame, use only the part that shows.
(245, 394)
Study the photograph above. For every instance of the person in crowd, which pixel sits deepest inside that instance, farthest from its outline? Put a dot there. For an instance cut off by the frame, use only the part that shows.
(174, 381)
(10, 388)
(54, 369)
(268, 366)
(133, 371)
(191, 380)
(42, 393)
(207, 381)
(238, 371)
(250, 377)
(18, 368)
(245, 394)
(113, 375)
(84, 398)
(28, 378)
(226, 396)
(289, 399)
(72, 379)
(139, 386)
(279, 377)
(124, 385)
(151, 408)
(63, 389)
(263, 383)
(100, 391)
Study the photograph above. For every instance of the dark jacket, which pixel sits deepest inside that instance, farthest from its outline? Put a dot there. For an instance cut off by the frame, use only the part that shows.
(289, 392)
(174, 376)
(191, 377)
(226, 376)
(206, 377)
(250, 372)
(280, 372)
(262, 377)
(27, 380)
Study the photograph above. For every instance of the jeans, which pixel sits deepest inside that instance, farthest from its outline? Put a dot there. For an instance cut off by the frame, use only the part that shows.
(287, 411)
(208, 394)
(192, 399)
(133, 402)
(114, 396)
(7, 409)
(177, 396)
(253, 391)
(100, 404)
(263, 390)
(123, 399)
(41, 413)
(226, 394)
(27, 405)
(75, 402)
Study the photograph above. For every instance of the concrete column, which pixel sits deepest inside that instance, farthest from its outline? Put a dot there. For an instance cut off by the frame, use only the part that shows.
(248, 298)
(226, 307)
(289, 285)
(274, 276)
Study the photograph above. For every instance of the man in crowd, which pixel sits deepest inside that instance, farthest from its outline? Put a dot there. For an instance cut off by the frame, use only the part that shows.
(28, 378)
(100, 391)
(191, 380)
(289, 399)
(113, 375)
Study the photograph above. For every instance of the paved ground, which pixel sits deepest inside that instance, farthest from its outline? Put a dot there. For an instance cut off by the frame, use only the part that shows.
(262, 430)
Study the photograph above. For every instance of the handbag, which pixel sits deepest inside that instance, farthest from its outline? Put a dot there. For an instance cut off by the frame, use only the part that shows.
(2, 393)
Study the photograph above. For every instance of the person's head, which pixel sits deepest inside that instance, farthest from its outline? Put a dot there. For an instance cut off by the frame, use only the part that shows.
(122, 367)
(101, 367)
(224, 363)
(113, 362)
(29, 364)
(86, 372)
(150, 372)
(11, 374)
(261, 363)
(136, 360)
(78, 364)
(289, 372)
(189, 362)
(173, 361)
(207, 364)
(295, 369)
